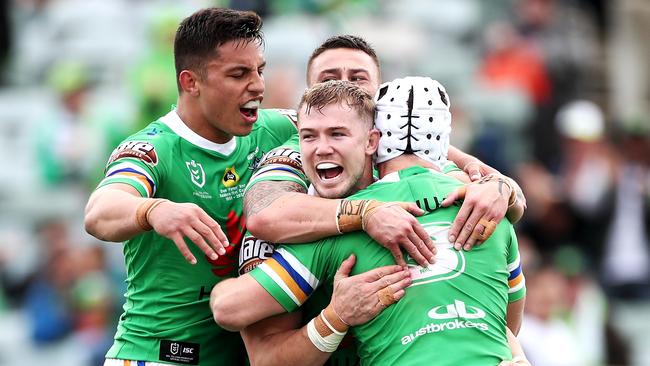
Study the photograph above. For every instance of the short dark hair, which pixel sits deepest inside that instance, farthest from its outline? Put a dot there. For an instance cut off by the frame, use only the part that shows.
(330, 92)
(199, 35)
(345, 41)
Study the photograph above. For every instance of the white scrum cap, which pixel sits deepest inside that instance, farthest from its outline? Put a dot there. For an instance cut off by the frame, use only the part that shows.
(413, 117)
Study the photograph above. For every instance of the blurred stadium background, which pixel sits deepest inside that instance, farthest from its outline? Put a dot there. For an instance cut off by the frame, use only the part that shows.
(552, 92)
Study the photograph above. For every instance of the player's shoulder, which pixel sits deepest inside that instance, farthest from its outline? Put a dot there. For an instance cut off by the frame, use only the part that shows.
(273, 127)
(412, 179)
(145, 144)
(277, 118)
(156, 132)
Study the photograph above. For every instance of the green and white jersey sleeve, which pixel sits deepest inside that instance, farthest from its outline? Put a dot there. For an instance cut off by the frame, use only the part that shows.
(135, 162)
(516, 280)
(281, 164)
(291, 279)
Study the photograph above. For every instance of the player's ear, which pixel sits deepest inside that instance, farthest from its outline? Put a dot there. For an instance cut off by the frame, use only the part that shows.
(373, 141)
(188, 80)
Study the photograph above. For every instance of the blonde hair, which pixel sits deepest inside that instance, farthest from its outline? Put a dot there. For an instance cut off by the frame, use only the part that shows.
(321, 95)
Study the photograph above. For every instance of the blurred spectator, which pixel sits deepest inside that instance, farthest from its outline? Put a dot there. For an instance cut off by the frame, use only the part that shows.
(629, 57)
(565, 37)
(5, 39)
(513, 75)
(152, 80)
(567, 204)
(564, 313)
(67, 147)
(48, 298)
(542, 328)
(71, 296)
(626, 264)
(587, 173)
(512, 63)
(93, 303)
(34, 36)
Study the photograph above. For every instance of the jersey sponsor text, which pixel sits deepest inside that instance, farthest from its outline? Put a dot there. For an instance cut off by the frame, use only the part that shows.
(457, 311)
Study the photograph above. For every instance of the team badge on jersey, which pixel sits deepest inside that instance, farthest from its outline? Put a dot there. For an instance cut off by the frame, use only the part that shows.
(450, 263)
(140, 150)
(197, 174)
(230, 177)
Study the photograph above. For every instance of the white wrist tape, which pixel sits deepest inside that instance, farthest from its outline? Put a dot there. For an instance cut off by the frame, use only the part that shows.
(328, 343)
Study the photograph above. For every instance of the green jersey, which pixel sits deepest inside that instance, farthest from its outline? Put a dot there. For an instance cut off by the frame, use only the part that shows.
(454, 313)
(167, 317)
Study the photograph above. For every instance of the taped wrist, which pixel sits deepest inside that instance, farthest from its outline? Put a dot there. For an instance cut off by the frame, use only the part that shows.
(326, 331)
(143, 211)
(349, 214)
(513, 193)
(334, 319)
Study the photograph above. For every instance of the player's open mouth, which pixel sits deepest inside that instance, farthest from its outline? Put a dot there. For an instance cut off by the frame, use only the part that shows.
(249, 110)
(328, 171)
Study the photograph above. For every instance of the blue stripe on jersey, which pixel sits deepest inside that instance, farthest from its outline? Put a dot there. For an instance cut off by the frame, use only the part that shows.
(131, 170)
(515, 272)
(302, 283)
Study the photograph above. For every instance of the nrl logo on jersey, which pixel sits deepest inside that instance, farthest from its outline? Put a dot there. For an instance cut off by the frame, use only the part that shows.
(253, 159)
(230, 177)
(197, 174)
(449, 263)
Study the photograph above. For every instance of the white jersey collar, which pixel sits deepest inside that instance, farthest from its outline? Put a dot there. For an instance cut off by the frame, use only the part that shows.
(173, 121)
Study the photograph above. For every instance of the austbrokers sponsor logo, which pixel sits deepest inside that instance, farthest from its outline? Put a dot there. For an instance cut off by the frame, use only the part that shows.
(458, 311)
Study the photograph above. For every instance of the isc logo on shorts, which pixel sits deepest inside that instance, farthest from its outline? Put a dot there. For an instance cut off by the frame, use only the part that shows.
(252, 252)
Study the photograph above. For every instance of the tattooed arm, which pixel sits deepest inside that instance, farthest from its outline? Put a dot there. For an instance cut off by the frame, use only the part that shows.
(280, 211)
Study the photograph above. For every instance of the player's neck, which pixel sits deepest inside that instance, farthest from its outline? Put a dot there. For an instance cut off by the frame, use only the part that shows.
(193, 118)
(367, 178)
(402, 162)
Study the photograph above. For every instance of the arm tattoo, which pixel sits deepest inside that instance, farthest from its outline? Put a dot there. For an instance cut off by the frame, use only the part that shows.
(501, 181)
(263, 194)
